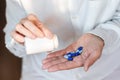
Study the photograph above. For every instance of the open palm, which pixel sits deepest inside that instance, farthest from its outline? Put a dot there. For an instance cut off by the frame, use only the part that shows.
(92, 50)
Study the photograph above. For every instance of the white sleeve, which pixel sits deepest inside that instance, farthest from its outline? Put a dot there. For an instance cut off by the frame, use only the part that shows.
(14, 13)
(109, 31)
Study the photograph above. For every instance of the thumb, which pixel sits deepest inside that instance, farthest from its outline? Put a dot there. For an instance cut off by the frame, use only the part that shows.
(90, 61)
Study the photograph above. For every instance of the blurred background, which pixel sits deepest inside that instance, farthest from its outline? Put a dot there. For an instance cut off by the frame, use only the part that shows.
(10, 66)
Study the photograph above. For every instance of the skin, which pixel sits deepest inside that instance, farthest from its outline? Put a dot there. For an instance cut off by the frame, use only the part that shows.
(92, 46)
(30, 27)
(92, 51)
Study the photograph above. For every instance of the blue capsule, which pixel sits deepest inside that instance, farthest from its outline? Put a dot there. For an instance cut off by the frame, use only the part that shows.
(70, 59)
(66, 56)
(80, 48)
(69, 56)
(73, 54)
(77, 54)
(79, 51)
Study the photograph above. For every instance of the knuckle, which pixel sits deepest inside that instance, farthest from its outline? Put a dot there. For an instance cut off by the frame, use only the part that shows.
(31, 16)
(24, 21)
(15, 36)
(13, 33)
(18, 27)
(19, 38)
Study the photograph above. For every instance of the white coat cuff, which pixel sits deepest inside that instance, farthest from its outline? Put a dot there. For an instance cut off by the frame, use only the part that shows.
(110, 36)
(16, 48)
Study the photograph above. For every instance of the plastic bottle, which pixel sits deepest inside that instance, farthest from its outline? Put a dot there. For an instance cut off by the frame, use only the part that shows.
(39, 45)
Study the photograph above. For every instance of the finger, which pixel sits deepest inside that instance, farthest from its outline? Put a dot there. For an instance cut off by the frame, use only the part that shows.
(17, 37)
(39, 24)
(34, 19)
(32, 28)
(85, 54)
(79, 60)
(56, 60)
(56, 53)
(90, 60)
(24, 31)
(48, 59)
(51, 62)
(63, 66)
(61, 52)
(47, 32)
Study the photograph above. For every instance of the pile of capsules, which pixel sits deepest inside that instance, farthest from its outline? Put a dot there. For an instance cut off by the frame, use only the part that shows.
(70, 55)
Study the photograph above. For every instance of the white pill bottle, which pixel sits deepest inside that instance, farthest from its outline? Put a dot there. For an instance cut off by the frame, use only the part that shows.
(39, 45)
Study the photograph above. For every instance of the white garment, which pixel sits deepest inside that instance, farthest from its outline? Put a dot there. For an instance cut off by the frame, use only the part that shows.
(69, 19)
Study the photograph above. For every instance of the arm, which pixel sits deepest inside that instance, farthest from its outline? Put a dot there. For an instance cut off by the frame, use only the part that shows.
(109, 31)
(105, 39)
(20, 26)
(14, 12)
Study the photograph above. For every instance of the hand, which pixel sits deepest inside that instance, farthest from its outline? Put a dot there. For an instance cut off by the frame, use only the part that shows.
(30, 27)
(92, 49)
